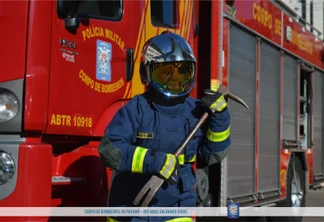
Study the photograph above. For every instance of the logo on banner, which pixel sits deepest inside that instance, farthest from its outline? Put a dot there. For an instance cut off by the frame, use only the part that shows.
(103, 61)
(233, 210)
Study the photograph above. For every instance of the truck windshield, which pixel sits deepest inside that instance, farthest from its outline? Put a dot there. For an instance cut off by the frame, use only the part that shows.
(164, 13)
(111, 9)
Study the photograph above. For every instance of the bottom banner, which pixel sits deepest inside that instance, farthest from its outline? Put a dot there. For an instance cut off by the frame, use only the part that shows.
(232, 211)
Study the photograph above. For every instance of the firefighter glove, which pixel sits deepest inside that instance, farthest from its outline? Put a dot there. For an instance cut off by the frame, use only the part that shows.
(215, 101)
(170, 169)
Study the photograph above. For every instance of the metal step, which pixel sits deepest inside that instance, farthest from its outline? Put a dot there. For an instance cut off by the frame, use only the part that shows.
(317, 186)
(62, 180)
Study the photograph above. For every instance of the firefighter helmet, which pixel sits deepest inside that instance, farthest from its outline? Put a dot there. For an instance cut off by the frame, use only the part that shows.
(168, 65)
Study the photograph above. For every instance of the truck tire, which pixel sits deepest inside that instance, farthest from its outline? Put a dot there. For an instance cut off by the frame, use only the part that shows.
(202, 187)
(295, 190)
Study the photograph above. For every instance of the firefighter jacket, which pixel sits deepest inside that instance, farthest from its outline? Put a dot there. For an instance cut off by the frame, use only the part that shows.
(141, 132)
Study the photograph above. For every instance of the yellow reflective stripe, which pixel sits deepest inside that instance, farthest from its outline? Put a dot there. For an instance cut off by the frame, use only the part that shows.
(109, 219)
(218, 136)
(181, 219)
(219, 104)
(168, 166)
(182, 159)
(138, 159)
(193, 159)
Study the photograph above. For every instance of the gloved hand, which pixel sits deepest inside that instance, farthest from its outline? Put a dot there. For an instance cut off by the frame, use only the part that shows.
(170, 168)
(215, 101)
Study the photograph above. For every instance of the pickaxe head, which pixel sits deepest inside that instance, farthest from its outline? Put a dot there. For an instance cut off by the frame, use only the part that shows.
(224, 90)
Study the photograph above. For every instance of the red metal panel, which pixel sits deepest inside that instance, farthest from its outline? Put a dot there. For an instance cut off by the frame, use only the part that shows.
(216, 40)
(38, 63)
(261, 16)
(33, 187)
(77, 97)
(225, 52)
(310, 162)
(194, 92)
(268, 20)
(284, 161)
(13, 25)
(301, 42)
(83, 163)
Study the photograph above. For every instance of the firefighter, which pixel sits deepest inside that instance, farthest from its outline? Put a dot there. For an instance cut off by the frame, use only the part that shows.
(143, 135)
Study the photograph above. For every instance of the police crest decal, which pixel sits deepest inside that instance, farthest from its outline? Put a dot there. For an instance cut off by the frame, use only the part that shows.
(103, 61)
(233, 210)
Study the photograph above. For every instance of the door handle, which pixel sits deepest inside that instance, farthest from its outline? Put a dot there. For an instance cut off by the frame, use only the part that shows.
(291, 144)
(129, 64)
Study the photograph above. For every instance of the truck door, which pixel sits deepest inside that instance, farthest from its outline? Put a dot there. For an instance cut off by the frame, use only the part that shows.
(92, 43)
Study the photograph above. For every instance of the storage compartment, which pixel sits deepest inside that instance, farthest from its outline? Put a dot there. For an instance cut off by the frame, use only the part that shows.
(242, 81)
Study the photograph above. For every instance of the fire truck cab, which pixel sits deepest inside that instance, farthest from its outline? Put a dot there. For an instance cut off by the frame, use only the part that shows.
(67, 67)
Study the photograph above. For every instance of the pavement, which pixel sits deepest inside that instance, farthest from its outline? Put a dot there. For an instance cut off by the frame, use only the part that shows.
(314, 199)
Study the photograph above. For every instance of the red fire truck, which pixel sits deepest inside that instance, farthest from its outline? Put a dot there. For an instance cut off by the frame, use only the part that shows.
(75, 63)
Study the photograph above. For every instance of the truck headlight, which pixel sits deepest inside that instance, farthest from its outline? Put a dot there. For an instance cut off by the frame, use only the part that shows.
(9, 105)
(7, 167)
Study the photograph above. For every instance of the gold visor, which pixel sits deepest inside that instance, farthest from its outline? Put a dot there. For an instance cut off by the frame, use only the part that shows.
(174, 77)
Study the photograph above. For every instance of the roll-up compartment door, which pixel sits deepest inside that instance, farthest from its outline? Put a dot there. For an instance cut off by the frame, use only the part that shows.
(290, 99)
(269, 118)
(242, 81)
(318, 123)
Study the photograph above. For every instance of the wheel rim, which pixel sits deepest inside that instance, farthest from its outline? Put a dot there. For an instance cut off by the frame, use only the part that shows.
(297, 193)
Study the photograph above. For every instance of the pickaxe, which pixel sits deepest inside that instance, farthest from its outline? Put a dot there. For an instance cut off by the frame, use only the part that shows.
(155, 182)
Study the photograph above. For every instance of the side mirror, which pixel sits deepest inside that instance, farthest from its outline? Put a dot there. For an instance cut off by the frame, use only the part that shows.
(67, 10)
(71, 23)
